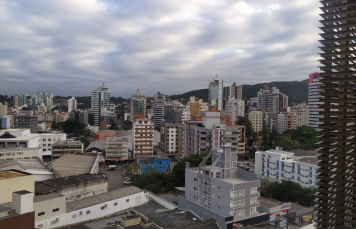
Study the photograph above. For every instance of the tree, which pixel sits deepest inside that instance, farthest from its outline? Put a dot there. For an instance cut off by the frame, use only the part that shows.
(132, 169)
(287, 144)
(306, 136)
(273, 138)
(265, 140)
(158, 128)
(127, 125)
(113, 127)
(73, 126)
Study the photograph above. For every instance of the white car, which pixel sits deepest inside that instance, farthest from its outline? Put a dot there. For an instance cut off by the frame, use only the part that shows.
(127, 178)
(127, 182)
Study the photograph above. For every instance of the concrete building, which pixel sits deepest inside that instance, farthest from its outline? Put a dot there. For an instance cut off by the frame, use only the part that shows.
(142, 130)
(234, 91)
(221, 191)
(138, 105)
(30, 166)
(72, 104)
(96, 146)
(172, 137)
(256, 118)
(208, 134)
(73, 187)
(68, 146)
(94, 207)
(42, 108)
(48, 206)
(82, 116)
(3, 109)
(156, 164)
(48, 139)
(281, 165)
(13, 181)
(100, 99)
(241, 141)
(234, 108)
(71, 164)
(105, 134)
(19, 214)
(216, 93)
(270, 120)
(272, 100)
(27, 122)
(315, 102)
(116, 149)
(194, 106)
(158, 110)
(5, 122)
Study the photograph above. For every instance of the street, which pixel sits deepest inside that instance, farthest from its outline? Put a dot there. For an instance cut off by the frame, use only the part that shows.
(115, 178)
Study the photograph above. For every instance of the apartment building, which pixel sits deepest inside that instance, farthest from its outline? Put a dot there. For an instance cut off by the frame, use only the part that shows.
(48, 139)
(172, 138)
(27, 122)
(138, 105)
(116, 149)
(315, 100)
(194, 106)
(158, 110)
(72, 104)
(221, 191)
(142, 131)
(272, 100)
(100, 99)
(281, 165)
(234, 108)
(67, 146)
(256, 118)
(234, 90)
(3, 109)
(216, 93)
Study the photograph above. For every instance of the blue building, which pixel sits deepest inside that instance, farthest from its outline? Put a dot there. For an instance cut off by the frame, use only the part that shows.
(156, 164)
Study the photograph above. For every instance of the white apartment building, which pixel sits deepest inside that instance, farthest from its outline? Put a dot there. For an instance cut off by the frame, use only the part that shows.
(48, 139)
(158, 110)
(100, 99)
(142, 131)
(256, 118)
(3, 109)
(314, 102)
(282, 165)
(234, 108)
(72, 104)
(116, 148)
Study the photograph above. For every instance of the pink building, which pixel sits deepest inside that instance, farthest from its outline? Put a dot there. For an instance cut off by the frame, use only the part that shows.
(105, 134)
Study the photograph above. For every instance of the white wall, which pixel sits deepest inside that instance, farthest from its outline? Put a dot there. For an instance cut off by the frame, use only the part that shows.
(95, 211)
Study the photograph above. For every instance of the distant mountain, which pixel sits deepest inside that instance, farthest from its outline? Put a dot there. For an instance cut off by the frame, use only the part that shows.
(297, 91)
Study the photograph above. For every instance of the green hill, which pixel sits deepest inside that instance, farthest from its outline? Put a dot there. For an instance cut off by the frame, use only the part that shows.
(297, 91)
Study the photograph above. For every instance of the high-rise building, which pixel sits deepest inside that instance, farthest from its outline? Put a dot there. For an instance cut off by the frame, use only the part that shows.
(158, 108)
(3, 109)
(234, 108)
(314, 100)
(100, 99)
(335, 201)
(142, 132)
(216, 93)
(272, 100)
(234, 91)
(256, 118)
(138, 105)
(72, 104)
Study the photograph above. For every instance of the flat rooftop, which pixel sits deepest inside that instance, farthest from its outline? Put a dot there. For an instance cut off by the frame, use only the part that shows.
(54, 185)
(269, 203)
(46, 197)
(235, 180)
(74, 164)
(301, 153)
(309, 160)
(17, 149)
(28, 165)
(10, 174)
(101, 198)
(279, 151)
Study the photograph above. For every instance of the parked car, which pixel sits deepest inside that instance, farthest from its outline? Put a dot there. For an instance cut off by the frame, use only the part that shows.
(127, 178)
(246, 162)
(127, 182)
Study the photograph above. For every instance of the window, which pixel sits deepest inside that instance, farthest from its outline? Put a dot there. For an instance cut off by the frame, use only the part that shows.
(218, 187)
(127, 200)
(40, 226)
(253, 191)
(253, 200)
(41, 213)
(88, 212)
(55, 210)
(195, 179)
(253, 211)
(74, 216)
(115, 204)
(102, 207)
(240, 213)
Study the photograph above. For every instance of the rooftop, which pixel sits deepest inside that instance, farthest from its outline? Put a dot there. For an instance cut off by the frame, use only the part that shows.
(67, 142)
(309, 160)
(300, 152)
(8, 174)
(279, 151)
(22, 192)
(74, 164)
(20, 149)
(53, 185)
(29, 165)
(269, 203)
(99, 144)
(101, 198)
(46, 197)
(235, 180)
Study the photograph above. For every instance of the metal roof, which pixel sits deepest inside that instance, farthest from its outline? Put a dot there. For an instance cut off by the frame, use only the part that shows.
(74, 164)
(99, 144)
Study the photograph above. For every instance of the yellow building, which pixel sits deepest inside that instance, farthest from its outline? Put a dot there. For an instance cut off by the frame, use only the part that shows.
(13, 181)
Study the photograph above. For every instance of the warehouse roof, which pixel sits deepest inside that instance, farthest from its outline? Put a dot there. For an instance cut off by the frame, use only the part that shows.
(101, 198)
(8, 174)
(74, 164)
(33, 166)
(99, 144)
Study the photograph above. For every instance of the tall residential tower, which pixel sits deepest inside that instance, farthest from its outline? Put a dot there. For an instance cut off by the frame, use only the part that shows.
(100, 100)
(216, 93)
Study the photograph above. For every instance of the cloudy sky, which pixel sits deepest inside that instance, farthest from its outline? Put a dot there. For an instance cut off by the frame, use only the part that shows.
(70, 47)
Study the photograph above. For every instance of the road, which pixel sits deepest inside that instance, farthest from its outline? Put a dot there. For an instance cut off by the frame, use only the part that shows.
(115, 178)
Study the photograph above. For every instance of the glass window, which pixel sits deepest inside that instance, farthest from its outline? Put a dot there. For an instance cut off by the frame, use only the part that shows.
(41, 213)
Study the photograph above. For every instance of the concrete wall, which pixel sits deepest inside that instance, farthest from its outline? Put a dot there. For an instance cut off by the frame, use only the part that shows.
(8, 186)
(48, 206)
(165, 203)
(84, 189)
(21, 153)
(94, 212)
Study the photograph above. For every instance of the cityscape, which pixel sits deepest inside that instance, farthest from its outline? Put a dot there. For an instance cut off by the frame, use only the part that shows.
(220, 152)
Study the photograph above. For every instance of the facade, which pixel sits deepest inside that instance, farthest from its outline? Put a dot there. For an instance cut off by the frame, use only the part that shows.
(5, 122)
(18, 139)
(234, 91)
(50, 205)
(13, 181)
(20, 153)
(281, 165)
(241, 140)
(3, 109)
(335, 203)
(158, 110)
(42, 108)
(73, 187)
(138, 105)
(116, 149)
(216, 93)
(72, 104)
(95, 207)
(61, 147)
(271, 121)
(27, 122)
(194, 106)
(314, 100)
(142, 131)
(155, 163)
(221, 191)
(172, 138)
(20, 100)
(256, 118)
(272, 100)
(48, 139)
(234, 108)
(100, 99)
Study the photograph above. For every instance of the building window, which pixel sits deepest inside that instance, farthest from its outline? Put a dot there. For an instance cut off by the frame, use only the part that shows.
(253, 191)
(74, 216)
(88, 212)
(102, 208)
(127, 200)
(41, 213)
(55, 210)
(40, 226)
(253, 200)
(115, 204)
